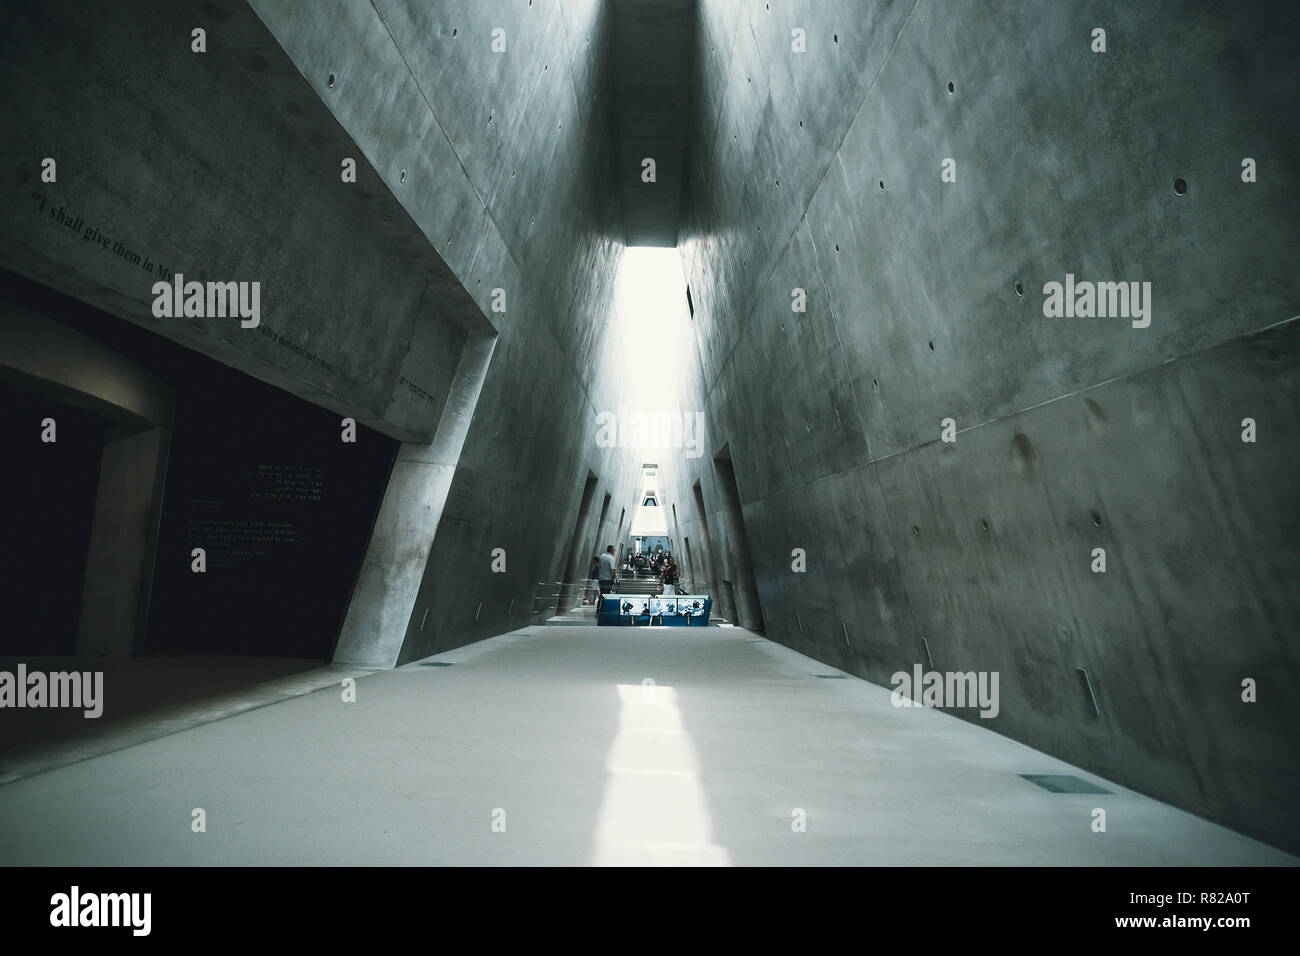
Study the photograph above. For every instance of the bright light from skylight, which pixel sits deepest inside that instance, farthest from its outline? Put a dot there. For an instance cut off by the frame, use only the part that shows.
(656, 336)
(650, 285)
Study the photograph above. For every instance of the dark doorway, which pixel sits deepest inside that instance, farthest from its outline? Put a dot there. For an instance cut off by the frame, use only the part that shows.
(690, 569)
(743, 594)
(599, 546)
(728, 599)
(710, 556)
(256, 476)
(618, 535)
(49, 491)
(570, 570)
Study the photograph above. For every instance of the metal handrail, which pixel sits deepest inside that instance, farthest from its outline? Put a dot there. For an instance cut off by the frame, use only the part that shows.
(553, 596)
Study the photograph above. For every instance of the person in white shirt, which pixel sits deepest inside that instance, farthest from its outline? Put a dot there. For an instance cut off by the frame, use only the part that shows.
(607, 565)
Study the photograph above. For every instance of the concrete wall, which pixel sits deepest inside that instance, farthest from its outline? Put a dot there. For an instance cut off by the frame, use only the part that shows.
(478, 171)
(209, 165)
(482, 169)
(510, 156)
(821, 171)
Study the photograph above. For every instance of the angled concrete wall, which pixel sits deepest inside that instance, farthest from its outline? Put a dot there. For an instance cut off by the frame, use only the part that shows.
(822, 171)
(501, 117)
(485, 178)
(211, 166)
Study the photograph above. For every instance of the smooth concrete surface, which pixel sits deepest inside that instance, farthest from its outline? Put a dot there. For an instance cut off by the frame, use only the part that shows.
(822, 171)
(187, 161)
(492, 206)
(554, 735)
(384, 596)
(78, 370)
(123, 542)
(506, 141)
(654, 52)
(486, 206)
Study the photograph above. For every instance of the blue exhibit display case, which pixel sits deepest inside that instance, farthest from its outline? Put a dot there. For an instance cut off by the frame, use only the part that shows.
(630, 610)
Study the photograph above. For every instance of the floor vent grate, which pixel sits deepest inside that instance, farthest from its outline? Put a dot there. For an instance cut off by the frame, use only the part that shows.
(831, 676)
(1063, 783)
(437, 663)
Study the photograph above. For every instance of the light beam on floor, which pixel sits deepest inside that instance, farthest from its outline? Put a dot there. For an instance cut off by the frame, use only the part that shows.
(654, 812)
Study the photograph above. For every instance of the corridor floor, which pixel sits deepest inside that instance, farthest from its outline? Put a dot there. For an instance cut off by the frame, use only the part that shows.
(550, 745)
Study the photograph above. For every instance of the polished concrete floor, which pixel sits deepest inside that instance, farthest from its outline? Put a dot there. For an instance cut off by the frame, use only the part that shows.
(550, 745)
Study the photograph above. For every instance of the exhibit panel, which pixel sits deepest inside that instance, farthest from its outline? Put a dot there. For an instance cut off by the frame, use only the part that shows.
(632, 610)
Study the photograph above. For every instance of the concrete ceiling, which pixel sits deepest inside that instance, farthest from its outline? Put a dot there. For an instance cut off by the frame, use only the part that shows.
(654, 49)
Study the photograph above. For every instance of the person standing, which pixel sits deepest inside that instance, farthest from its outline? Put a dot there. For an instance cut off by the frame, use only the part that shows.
(606, 576)
(668, 578)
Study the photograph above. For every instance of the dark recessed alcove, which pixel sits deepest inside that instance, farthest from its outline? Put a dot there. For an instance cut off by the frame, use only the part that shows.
(257, 477)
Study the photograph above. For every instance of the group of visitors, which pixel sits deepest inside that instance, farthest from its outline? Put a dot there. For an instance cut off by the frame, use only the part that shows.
(661, 565)
(652, 562)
